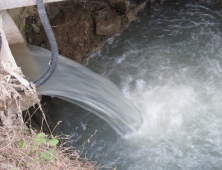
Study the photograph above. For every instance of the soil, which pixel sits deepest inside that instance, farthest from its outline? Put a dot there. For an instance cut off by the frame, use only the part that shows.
(83, 26)
(80, 27)
(73, 27)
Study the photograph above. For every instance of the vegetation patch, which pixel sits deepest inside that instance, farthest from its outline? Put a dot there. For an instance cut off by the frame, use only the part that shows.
(22, 148)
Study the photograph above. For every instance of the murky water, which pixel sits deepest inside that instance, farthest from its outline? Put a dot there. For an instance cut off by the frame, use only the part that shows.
(169, 64)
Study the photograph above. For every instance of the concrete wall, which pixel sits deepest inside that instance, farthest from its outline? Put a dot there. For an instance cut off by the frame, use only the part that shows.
(10, 34)
(8, 4)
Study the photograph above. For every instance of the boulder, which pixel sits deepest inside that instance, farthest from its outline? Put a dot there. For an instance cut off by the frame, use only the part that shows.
(108, 22)
(135, 8)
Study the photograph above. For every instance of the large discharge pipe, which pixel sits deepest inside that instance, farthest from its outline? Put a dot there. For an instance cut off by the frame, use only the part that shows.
(52, 42)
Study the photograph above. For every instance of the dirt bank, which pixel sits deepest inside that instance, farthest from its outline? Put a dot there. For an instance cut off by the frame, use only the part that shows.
(81, 27)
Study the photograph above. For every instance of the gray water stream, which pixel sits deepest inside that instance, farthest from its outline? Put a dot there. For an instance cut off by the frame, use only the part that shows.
(169, 64)
(74, 83)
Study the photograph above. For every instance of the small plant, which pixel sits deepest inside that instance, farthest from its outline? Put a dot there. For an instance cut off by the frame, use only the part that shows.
(41, 140)
(22, 148)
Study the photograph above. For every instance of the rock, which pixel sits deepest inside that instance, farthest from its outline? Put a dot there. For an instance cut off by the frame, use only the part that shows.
(35, 28)
(122, 6)
(108, 22)
(131, 16)
(139, 7)
(27, 12)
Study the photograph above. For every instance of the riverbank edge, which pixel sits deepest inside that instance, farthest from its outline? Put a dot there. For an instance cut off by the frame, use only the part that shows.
(80, 27)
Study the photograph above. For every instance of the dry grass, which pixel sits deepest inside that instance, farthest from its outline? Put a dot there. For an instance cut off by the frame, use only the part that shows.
(11, 101)
(28, 156)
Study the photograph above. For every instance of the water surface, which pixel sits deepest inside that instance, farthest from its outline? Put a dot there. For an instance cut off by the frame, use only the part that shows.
(169, 64)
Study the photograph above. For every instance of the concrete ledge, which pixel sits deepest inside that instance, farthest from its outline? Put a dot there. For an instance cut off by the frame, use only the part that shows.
(10, 34)
(8, 4)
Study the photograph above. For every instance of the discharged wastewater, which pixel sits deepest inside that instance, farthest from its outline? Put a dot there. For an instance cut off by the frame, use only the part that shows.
(168, 63)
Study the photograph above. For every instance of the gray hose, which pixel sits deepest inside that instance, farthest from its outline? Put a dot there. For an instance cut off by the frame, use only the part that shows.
(52, 42)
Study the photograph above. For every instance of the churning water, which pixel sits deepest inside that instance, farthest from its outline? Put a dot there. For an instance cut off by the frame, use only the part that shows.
(169, 64)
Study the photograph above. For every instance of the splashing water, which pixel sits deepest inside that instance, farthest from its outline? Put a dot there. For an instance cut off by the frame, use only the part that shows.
(169, 64)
